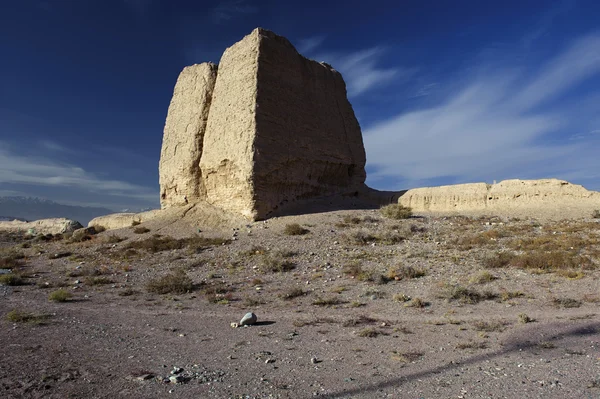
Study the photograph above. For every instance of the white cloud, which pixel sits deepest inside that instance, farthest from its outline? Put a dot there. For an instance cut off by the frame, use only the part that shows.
(227, 10)
(307, 45)
(493, 128)
(42, 171)
(360, 70)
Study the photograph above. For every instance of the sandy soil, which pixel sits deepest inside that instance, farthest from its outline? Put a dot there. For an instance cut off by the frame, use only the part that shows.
(364, 323)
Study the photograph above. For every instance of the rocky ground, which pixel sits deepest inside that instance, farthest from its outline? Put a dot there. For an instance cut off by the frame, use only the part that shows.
(349, 304)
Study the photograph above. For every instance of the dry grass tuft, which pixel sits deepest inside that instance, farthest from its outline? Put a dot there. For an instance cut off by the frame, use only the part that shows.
(360, 320)
(417, 303)
(293, 293)
(19, 316)
(11, 279)
(396, 211)
(369, 332)
(524, 318)
(463, 294)
(158, 244)
(482, 277)
(405, 272)
(331, 301)
(472, 345)
(490, 326)
(294, 229)
(172, 283)
(60, 296)
(566, 302)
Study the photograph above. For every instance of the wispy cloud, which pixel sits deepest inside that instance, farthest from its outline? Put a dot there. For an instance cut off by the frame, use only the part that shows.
(309, 44)
(545, 21)
(500, 125)
(227, 10)
(42, 171)
(361, 71)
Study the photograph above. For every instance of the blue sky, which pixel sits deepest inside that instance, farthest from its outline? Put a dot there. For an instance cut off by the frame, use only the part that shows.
(446, 91)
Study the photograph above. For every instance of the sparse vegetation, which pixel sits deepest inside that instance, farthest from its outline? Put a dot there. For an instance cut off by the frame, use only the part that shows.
(360, 320)
(401, 298)
(524, 318)
(472, 345)
(482, 277)
(141, 230)
(60, 296)
(113, 239)
(157, 243)
(405, 272)
(275, 264)
(567, 302)
(596, 214)
(355, 270)
(173, 283)
(294, 229)
(416, 303)
(396, 211)
(11, 260)
(11, 279)
(20, 316)
(331, 301)
(293, 293)
(490, 326)
(98, 280)
(498, 260)
(406, 357)
(463, 294)
(369, 332)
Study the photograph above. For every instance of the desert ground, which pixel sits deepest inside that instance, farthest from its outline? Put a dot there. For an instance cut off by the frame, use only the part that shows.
(350, 304)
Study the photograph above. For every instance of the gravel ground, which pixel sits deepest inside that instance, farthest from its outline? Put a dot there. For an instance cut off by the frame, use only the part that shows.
(359, 306)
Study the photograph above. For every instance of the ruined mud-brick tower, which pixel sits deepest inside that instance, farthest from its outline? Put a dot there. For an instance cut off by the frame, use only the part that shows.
(265, 128)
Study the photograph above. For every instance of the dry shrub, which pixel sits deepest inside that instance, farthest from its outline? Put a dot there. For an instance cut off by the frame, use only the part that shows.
(567, 302)
(360, 320)
(293, 293)
(482, 278)
(173, 283)
(490, 326)
(417, 303)
(396, 211)
(498, 260)
(11, 260)
(369, 332)
(360, 237)
(275, 264)
(157, 244)
(550, 261)
(405, 272)
(463, 294)
(60, 296)
(356, 271)
(141, 230)
(327, 301)
(294, 229)
(20, 316)
(11, 279)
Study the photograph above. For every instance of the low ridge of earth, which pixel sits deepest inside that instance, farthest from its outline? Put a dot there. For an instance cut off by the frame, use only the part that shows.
(348, 304)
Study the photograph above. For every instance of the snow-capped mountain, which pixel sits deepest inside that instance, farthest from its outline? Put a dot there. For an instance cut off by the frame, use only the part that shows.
(33, 208)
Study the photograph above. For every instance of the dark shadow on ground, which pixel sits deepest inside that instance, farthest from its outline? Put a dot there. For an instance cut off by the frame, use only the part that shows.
(263, 323)
(515, 344)
(364, 200)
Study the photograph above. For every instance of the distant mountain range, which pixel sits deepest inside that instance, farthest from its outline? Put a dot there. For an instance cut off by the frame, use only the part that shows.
(32, 208)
